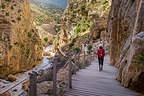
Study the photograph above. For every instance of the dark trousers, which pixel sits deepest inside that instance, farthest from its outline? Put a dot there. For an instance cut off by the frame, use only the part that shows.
(101, 60)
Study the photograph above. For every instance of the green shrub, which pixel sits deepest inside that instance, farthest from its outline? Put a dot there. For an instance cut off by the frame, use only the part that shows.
(83, 29)
(77, 50)
(7, 14)
(73, 72)
(46, 39)
(19, 18)
(140, 58)
(39, 22)
(3, 6)
(9, 47)
(104, 7)
(22, 45)
(132, 1)
(29, 34)
(83, 20)
(8, 0)
(19, 10)
(83, 8)
(97, 16)
(59, 33)
(57, 29)
(49, 78)
(73, 40)
(12, 7)
(27, 53)
(77, 30)
(105, 4)
(89, 47)
(33, 30)
(90, 25)
(80, 65)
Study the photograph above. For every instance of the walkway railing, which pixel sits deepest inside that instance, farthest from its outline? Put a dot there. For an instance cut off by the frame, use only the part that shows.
(68, 63)
(7, 89)
(33, 76)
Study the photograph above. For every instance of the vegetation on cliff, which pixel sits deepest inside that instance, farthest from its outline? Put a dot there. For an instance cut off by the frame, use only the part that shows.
(79, 18)
(20, 44)
(46, 12)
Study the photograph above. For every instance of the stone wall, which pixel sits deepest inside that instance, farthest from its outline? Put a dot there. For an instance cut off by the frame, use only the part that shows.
(125, 29)
(20, 46)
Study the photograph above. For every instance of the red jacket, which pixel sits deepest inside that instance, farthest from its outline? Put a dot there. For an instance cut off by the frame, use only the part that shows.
(101, 53)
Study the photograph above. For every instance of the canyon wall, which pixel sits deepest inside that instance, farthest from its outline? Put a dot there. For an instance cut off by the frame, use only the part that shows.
(126, 32)
(79, 17)
(20, 45)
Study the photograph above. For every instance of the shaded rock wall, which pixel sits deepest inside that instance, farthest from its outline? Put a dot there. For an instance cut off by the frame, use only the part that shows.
(20, 46)
(125, 27)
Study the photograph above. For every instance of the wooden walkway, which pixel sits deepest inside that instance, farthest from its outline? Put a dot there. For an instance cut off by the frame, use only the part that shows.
(91, 82)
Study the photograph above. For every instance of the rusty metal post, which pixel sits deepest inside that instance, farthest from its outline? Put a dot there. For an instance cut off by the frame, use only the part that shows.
(33, 84)
(70, 75)
(54, 79)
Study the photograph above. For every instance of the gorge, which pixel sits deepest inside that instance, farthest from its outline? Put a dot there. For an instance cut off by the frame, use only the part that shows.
(25, 31)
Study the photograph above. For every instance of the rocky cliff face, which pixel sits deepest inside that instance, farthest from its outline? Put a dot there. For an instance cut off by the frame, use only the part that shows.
(20, 46)
(126, 32)
(79, 17)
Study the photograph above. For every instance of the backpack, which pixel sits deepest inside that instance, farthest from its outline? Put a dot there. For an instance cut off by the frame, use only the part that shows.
(101, 53)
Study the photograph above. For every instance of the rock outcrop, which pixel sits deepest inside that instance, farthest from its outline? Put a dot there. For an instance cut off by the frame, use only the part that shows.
(125, 28)
(79, 17)
(20, 45)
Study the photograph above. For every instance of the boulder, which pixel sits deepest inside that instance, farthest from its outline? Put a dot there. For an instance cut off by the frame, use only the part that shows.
(12, 78)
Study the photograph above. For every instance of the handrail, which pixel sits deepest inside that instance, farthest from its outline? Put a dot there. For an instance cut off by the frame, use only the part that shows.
(69, 63)
(4, 90)
(61, 52)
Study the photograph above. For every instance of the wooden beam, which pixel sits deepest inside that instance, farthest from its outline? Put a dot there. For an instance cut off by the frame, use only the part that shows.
(33, 84)
(54, 79)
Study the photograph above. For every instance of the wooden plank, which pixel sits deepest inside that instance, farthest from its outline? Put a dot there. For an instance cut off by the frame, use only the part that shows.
(91, 82)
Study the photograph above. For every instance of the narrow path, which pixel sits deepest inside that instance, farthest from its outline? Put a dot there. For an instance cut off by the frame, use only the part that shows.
(91, 82)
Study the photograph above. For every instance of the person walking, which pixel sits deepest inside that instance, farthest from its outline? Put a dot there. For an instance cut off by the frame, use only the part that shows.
(101, 54)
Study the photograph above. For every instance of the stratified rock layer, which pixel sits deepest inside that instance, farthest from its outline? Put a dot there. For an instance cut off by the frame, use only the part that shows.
(126, 26)
(20, 46)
